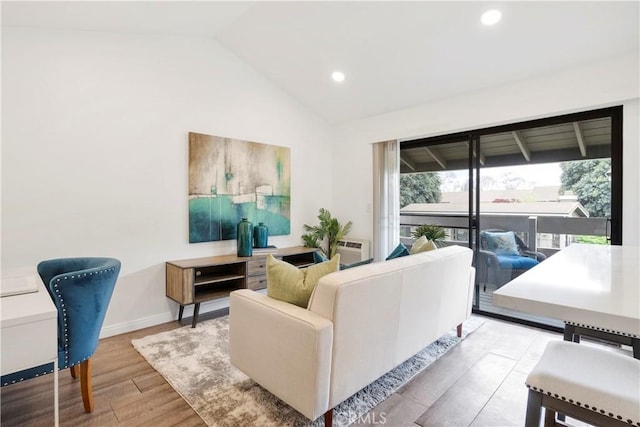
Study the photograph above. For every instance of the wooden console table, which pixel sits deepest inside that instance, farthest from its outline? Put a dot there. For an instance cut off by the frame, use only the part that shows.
(193, 281)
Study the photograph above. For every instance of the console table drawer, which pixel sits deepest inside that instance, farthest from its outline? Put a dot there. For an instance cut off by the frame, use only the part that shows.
(257, 268)
(257, 282)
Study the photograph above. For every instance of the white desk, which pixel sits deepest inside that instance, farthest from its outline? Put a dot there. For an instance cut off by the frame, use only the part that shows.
(29, 334)
(595, 289)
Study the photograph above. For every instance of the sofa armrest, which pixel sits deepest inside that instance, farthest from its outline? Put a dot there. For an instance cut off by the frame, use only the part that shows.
(284, 348)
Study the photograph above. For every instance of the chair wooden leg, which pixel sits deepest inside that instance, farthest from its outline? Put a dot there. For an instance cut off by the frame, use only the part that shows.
(328, 418)
(75, 371)
(85, 385)
(459, 330)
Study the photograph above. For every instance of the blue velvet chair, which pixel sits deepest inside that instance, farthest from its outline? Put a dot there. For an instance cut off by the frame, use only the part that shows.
(503, 256)
(81, 289)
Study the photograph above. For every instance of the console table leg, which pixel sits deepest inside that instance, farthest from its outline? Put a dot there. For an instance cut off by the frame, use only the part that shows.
(180, 312)
(196, 310)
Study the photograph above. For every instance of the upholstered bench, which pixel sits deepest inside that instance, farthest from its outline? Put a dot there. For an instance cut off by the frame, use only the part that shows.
(587, 383)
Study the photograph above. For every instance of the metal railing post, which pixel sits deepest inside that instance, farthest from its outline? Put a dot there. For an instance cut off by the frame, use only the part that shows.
(533, 233)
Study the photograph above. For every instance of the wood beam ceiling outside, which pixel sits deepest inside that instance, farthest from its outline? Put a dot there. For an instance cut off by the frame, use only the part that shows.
(482, 158)
(579, 136)
(436, 156)
(408, 163)
(517, 135)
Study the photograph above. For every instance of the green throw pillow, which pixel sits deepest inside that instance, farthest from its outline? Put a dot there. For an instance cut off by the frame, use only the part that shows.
(286, 282)
(422, 245)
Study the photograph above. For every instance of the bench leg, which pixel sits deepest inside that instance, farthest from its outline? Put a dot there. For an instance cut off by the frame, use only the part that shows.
(534, 407)
(549, 418)
(570, 333)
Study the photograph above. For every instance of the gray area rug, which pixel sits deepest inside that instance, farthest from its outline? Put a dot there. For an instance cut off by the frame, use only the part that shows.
(196, 364)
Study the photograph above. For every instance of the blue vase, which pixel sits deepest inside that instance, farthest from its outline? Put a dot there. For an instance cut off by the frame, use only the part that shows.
(260, 235)
(245, 235)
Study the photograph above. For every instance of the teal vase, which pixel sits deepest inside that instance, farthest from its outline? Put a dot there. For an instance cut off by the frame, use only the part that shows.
(260, 235)
(245, 235)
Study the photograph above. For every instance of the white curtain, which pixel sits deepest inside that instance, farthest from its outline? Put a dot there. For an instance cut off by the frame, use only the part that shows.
(386, 198)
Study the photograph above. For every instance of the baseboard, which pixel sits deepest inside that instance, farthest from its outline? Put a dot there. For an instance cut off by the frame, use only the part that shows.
(145, 322)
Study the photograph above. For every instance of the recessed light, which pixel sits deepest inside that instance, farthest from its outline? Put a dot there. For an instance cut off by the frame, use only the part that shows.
(491, 17)
(337, 76)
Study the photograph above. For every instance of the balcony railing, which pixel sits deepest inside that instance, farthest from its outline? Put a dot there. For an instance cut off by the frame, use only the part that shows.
(530, 226)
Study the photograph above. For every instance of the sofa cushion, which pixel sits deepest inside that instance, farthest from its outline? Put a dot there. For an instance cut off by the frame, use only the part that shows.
(286, 282)
(400, 251)
(501, 243)
(422, 245)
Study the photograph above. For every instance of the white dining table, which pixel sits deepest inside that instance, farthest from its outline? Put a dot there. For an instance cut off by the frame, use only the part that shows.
(590, 287)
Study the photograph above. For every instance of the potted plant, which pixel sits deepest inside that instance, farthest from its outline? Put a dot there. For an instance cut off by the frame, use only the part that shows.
(326, 235)
(435, 233)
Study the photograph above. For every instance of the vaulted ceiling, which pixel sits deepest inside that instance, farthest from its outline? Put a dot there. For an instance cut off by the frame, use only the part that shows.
(394, 54)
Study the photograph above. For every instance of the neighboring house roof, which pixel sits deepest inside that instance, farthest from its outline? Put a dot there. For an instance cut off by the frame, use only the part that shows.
(568, 209)
(535, 194)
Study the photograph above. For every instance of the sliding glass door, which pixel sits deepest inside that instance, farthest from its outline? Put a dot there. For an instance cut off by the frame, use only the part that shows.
(517, 194)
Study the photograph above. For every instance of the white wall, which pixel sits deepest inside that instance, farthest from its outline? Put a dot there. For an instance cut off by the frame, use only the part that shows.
(606, 83)
(95, 152)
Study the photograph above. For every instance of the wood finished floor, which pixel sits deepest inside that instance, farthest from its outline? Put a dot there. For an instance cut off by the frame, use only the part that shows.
(480, 382)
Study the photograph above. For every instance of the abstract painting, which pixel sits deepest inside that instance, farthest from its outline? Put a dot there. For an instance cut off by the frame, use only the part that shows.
(231, 179)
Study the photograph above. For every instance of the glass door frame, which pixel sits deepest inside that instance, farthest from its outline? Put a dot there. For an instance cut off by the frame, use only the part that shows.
(474, 165)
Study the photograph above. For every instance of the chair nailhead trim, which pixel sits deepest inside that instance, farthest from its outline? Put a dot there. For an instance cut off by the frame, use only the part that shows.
(583, 405)
(595, 328)
(64, 321)
(64, 315)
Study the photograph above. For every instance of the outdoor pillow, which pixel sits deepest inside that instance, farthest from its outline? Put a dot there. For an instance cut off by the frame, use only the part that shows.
(294, 285)
(516, 262)
(422, 245)
(501, 243)
(355, 264)
(400, 251)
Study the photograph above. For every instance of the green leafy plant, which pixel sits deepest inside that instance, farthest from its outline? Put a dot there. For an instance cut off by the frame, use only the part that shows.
(595, 240)
(326, 235)
(434, 233)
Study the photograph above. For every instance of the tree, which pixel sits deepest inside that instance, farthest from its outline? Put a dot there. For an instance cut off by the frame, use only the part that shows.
(420, 187)
(589, 181)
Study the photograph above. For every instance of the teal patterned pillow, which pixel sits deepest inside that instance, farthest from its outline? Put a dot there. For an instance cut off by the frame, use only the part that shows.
(356, 264)
(501, 243)
(400, 251)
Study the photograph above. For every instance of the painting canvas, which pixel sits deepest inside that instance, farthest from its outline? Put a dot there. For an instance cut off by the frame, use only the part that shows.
(231, 179)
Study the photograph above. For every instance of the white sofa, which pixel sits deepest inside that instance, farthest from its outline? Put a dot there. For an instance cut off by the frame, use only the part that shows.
(360, 324)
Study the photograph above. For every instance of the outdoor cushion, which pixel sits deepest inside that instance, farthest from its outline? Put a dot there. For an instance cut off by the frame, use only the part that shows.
(501, 243)
(516, 262)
